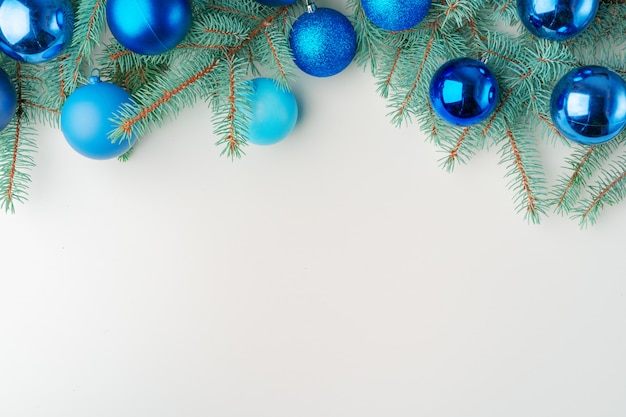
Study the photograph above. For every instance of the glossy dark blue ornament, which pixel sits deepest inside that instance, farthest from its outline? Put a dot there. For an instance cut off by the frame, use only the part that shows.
(35, 30)
(149, 27)
(556, 20)
(277, 3)
(273, 112)
(588, 105)
(8, 99)
(323, 42)
(464, 91)
(86, 119)
(396, 15)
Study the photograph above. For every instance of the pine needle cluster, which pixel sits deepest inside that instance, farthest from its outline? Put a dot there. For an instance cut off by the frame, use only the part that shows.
(232, 41)
(527, 69)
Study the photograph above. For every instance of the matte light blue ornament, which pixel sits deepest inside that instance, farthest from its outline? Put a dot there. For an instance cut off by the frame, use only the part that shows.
(273, 112)
(86, 119)
(396, 15)
(464, 91)
(556, 20)
(8, 99)
(323, 42)
(588, 105)
(35, 30)
(149, 27)
(277, 3)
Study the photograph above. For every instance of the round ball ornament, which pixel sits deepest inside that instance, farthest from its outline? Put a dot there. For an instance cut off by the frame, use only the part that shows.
(149, 27)
(35, 30)
(464, 91)
(588, 105)
(396, 15)
(8, 99)
(273, 112)
(277, 3)
(556, 20)
(323, 42)
(86, 119)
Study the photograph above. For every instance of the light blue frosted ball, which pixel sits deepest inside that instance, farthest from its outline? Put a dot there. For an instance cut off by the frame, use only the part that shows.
(323, 42)
(273, 112)
(396, 15)
(86, 119)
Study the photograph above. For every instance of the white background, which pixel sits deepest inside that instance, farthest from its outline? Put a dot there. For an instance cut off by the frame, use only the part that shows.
(338, 273)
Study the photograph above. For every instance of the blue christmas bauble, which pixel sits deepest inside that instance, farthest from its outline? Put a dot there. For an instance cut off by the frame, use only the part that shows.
(86, 119)
(277, 3)
(464, 91)
(35, 30)
(395, 15)
(273, 112)
(556, 20)
(588, 105)
(149, 27)
(8, 99)
(323, 42)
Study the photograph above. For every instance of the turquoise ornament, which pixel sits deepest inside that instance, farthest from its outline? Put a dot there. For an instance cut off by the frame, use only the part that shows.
(8, 99)
(323, 42)
(588, 105)
(149, 27)
(273, 112)
(86, 119)
(464, 91)
(35, 31)
(556, 20)
(396, 15)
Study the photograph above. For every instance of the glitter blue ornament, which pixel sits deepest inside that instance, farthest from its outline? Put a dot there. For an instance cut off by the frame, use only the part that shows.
(323, 42)
(86, 119)
(464, 91)
(396, 15)
(8, 99)
(273, 112)
(556, 20)
(149, 27)
(277, 3)
(35, 30)
(588, 105)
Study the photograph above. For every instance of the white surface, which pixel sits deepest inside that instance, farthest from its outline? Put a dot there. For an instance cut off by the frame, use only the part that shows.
(339, 273)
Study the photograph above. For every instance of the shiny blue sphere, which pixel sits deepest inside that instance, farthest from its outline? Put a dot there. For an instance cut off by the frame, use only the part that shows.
(149, 27)
(396, 15)
(85, 119)
(8, 99)
(35, 30)
(588, 105)
(273, 112)
(464, 91)
(323, 42)
(277, 3)
(556, 20)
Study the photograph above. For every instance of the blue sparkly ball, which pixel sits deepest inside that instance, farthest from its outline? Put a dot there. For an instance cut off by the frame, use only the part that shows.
(395, 15)
(85, 119)
(588, 105)
(8, 99)
(149, 27)
(464, 91)
(35, 30)
(277, 3)
(323, 42)
(556, 20)
(273, 112)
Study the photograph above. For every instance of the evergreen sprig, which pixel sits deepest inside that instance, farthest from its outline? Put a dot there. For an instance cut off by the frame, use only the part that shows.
(231, 41)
